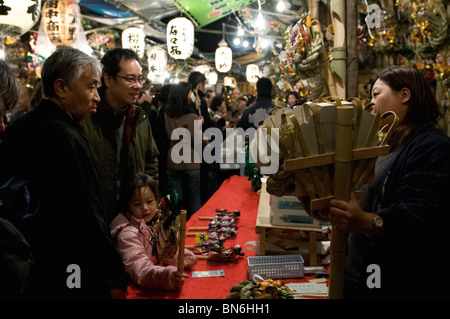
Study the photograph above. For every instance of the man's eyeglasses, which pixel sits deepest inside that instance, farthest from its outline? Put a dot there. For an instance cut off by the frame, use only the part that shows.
(132, 79)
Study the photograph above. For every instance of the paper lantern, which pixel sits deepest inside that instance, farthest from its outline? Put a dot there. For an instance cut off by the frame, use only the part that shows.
(61, 18)
(212, 78)
(134, 39)
(157, 61)
(224, 57)
(180, 38)
(18, 16)
(252, 73)
(229, 81)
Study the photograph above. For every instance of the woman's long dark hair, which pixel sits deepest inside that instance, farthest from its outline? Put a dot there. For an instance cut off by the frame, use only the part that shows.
(178, 102)
(423, 108)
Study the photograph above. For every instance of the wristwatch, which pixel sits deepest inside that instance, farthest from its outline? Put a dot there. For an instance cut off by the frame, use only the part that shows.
(378, 224)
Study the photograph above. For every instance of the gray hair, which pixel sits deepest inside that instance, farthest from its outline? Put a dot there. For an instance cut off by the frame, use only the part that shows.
(66, 63)
(9, 88)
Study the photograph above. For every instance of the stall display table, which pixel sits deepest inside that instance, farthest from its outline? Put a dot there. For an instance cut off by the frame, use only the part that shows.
(234, 194)
(263, 223)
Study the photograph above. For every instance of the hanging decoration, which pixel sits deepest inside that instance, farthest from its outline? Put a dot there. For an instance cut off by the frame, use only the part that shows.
(61, 18)
(429, 24)
(44, 46)
(157, 61)
(18, 16)
(229, 81)
(180, 38)
(134, 38)
(212, 78)
(252, 72)
(223, 57)
(303, 58)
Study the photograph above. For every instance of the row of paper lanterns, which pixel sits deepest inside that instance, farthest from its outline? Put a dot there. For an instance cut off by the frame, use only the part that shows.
(62, 26)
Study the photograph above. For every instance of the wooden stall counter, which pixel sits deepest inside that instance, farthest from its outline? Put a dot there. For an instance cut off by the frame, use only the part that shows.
(263, 224)
(234, 194)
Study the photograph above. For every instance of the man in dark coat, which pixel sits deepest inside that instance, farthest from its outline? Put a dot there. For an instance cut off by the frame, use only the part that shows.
(69, 236)
(255, 114)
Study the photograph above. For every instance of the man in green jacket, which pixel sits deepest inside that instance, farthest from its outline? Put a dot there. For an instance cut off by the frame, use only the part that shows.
(119, 133)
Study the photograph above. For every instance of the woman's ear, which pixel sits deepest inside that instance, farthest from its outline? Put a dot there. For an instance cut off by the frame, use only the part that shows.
(405, 95)
(60, 87)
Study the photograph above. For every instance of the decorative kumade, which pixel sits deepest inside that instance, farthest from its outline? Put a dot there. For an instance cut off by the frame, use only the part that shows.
(134, 38)
(170, 228)
(61, 18)
(18, 16)
(180, 38)
(327, 150)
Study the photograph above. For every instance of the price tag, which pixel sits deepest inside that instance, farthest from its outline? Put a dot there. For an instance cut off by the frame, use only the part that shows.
(208, 273)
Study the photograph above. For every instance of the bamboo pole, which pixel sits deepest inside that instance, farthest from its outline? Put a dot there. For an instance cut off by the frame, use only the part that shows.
(339, 51)
(342, 171)
(181, 246)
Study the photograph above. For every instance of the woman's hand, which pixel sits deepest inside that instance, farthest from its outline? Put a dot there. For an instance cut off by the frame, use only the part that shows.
(349, 217)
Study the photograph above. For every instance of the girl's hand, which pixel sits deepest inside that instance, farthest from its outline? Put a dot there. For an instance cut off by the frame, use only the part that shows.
(190, 261)
(177, 279)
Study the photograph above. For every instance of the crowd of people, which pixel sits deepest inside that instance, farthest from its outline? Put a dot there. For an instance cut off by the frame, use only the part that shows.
(98, 155)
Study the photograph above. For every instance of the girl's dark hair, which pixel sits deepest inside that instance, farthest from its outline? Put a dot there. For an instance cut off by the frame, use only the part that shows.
(422, 105)
(178, 102)
(216, 102)
(137, 180)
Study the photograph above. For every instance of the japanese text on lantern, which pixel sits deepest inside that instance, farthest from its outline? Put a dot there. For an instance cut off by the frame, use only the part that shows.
(61, 21)
(180, 38)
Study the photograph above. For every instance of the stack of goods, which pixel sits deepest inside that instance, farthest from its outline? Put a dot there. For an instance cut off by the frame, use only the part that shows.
(260, 289)
(210, 245)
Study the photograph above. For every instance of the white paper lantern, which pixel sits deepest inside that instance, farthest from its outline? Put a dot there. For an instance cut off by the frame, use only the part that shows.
(134, 38)
(157, 61)
(212, 78)
(223, 57)
(61, 18)
(18, 16)
(180, 38)
(252, 73)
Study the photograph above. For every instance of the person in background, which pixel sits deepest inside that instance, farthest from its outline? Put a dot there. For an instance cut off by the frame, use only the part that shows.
(255, 114)
(219, 108)
(293, 99)
(197, 80)
(397, 219)
(9, 92)
(22, 107)
(209, 95)
(162, 141)
(119, 133)
(132, 233)
(69, 235)
(183, 162)
(37, 95)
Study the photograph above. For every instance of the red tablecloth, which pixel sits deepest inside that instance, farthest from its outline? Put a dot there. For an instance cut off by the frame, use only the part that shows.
(234, 193)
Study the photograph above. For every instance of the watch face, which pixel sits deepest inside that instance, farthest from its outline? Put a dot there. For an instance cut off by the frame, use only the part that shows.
(378, 221)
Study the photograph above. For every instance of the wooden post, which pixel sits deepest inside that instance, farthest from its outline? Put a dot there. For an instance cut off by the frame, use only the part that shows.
(342, 174)
(181, 246)
(339, 51)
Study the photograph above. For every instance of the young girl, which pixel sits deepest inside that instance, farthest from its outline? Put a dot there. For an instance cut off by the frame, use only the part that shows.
(132, 236)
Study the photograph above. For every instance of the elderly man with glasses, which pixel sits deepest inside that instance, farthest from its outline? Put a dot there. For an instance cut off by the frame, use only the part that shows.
(119, 133)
